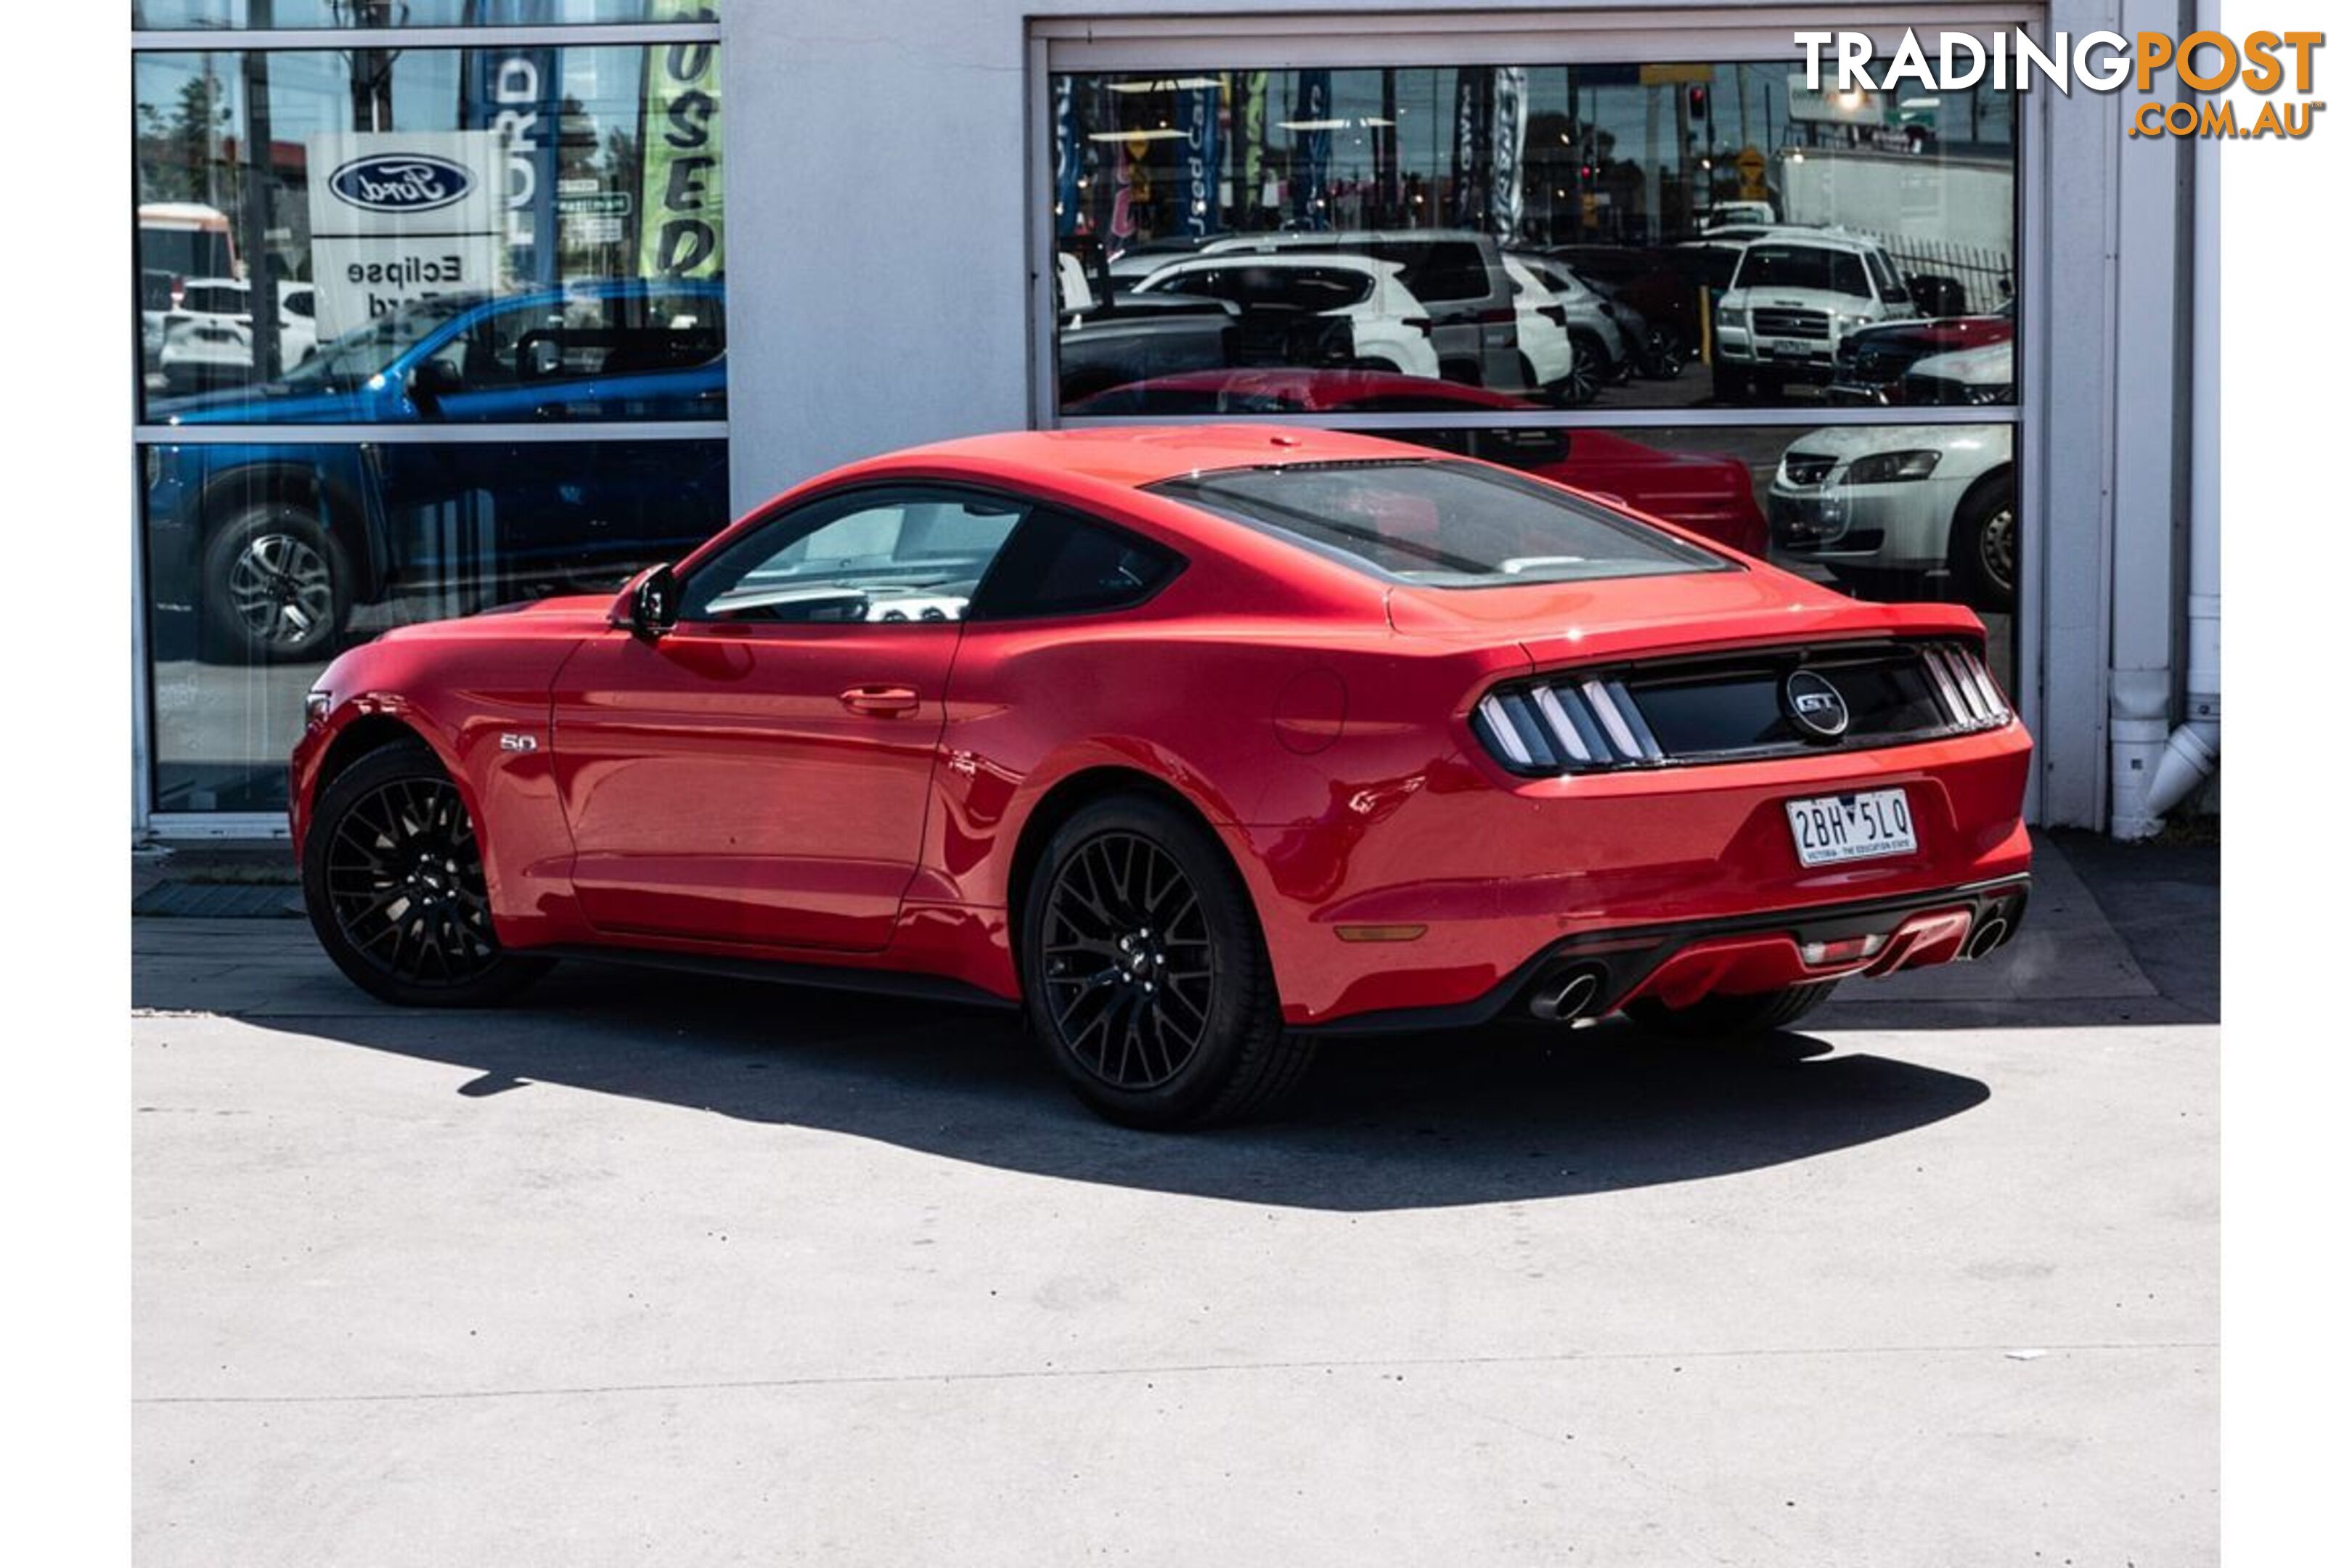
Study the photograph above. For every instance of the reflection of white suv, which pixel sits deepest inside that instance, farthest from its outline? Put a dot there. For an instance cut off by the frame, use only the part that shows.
(1544, 341)
(1385, 327)
(209, 334)
(1878, 501)
(1795, 294)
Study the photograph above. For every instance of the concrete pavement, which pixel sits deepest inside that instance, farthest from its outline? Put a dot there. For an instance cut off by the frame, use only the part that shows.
(676, 1270)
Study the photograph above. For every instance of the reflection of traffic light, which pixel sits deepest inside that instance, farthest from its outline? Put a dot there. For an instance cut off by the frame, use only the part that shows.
(1698, 102)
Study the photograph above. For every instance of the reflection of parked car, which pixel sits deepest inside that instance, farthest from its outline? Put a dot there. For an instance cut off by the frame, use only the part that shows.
(208, 335)
(1968, 378)
(1711, 496)
(1594, 325)
(1792, 300)
(1554, 369)
(1348, 310)
(1880, 501)
(1195, 746)
(1136, 336)
(269, 543)
(1457, 275)
(1871, 361)
(1664, 287)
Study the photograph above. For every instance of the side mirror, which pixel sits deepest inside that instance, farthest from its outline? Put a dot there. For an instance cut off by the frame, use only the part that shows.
(430, 382)
(649, 605)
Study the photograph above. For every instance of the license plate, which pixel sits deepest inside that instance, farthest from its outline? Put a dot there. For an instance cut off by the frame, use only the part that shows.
(1833, 828)
(1782, 350)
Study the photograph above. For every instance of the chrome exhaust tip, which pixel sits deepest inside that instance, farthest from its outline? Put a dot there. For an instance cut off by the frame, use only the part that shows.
(1567, 997)
(1990, 932)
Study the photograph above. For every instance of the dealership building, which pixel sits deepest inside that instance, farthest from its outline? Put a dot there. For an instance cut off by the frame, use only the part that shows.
(449, 303)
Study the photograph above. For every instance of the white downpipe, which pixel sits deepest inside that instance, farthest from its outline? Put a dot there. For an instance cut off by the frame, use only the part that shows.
(2194, 750)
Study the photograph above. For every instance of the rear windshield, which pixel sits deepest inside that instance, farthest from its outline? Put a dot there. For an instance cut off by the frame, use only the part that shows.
(1440, 524)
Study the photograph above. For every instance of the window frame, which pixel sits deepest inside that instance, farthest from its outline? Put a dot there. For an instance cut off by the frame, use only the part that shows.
(1173, 43)
(146, 434)
(827, 508)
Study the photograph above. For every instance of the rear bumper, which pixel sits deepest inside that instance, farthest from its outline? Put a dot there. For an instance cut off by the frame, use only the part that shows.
(1678, 964)
(1438, 894)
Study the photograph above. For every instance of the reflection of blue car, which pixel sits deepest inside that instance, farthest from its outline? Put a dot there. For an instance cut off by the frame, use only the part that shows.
(267, 546)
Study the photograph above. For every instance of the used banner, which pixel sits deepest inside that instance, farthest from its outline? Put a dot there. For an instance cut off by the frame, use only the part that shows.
(682, 233)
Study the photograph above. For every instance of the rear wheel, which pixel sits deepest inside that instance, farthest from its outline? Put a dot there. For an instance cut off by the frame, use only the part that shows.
(1586, 367)
(1144, 973)
(392, 876)
(1733, 1017)
(274, 585)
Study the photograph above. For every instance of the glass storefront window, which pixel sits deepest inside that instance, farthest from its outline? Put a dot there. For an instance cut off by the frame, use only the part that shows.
(1659, 236)
(228, 14)
(264, 559)
(388, 235)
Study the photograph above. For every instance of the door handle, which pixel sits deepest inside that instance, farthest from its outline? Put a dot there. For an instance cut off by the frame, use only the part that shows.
(881, 701)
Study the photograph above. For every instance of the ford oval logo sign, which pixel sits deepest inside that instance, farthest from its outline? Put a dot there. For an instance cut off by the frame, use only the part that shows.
(1815, 706)
(401, 183)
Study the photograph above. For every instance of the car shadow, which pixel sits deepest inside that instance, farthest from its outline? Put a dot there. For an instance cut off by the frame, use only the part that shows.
(1414, 1122)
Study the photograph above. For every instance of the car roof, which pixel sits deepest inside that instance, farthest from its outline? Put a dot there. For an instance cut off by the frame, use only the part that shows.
(1135, 455)
(1319, 260)
(1826, 238)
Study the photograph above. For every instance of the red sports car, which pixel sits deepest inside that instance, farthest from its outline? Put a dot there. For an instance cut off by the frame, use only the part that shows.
(1201, 744)
(1704, 492)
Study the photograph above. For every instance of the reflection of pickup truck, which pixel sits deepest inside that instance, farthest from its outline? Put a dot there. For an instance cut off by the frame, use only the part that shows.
(263, 547)
(1794, 298)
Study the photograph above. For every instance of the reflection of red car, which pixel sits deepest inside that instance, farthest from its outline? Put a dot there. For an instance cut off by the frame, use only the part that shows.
(1871, 361)
(1197, 742)
(1709, 495)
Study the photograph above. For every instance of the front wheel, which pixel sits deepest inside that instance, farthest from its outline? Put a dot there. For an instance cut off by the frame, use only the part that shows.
(1144, 973)
(1733, 1018)
(391, 878)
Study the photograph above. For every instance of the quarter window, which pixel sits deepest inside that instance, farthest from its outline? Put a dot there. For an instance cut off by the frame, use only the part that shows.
(1064, 566)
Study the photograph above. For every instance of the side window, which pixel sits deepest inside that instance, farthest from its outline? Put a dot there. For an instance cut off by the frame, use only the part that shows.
(900, 554)
(1059, 564)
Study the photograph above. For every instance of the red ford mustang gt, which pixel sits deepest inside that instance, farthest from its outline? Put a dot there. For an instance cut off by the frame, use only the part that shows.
(1201, 744)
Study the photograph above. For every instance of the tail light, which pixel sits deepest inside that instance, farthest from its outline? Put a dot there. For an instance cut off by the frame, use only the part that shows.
(1556, 314)
(1500, 316)
(179, 289)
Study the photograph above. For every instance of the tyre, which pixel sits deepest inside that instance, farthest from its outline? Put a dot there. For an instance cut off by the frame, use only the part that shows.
(1733, 1017)
(1984, 544)
(391, 876)
(276, 587)
(1586, 368)
(1144, 973)
(1663, 355)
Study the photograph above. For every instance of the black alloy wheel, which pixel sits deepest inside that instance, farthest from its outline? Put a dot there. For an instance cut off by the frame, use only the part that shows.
(1129, 972)
(391, 874)
(1145, 975)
